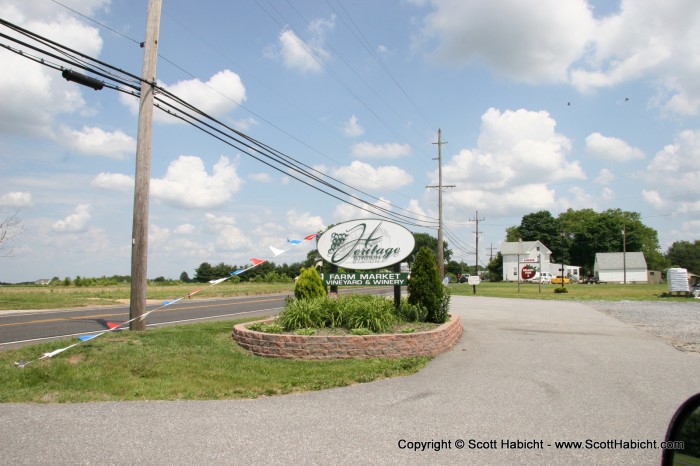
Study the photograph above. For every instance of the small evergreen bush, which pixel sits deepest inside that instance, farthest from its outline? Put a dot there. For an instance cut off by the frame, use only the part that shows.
(425, 288)
(309, 285)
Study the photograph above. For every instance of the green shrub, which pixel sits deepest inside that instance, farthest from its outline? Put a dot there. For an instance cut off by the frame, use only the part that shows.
(266, 327)
(425, 288)
(408, 330)
(561, 289)
(443, 311)
(304, 313)
(375, 313)
(361, 331)
(309, 285)
(305, 331)
(411, 312)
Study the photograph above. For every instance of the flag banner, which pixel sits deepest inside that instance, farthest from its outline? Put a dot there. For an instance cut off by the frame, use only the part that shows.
(276, 252)
(86, 337)
(114, 326)
(216, 282)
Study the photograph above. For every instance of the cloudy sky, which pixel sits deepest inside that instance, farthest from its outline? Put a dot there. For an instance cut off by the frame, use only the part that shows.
(548, 104)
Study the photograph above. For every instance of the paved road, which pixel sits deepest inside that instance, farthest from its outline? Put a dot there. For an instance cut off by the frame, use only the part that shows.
(18, 328)
(538, 371)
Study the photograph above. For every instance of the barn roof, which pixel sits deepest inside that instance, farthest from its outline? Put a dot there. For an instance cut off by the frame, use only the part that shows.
(524, 247)
(613, 260)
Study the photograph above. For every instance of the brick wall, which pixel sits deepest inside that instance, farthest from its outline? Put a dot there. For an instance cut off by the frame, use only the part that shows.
(401, 345)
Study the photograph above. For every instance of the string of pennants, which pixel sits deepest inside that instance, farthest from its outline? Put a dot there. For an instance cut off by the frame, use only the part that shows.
(112, 326)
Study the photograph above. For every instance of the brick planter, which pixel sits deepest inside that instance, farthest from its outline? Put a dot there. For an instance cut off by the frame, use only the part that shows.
(395, 345)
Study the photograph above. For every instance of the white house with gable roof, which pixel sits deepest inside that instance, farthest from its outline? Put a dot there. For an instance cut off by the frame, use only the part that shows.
(524, 257)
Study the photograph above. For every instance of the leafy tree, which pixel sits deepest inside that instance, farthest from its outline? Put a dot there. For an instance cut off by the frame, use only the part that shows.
(425, 288)
(496, 268)
(686, 255)
(309, 285)
(586, 232)
(185, 278)
(426, 240)
(204, 272)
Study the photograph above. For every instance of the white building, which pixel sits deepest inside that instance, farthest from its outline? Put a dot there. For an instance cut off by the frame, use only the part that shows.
(524, 255)
(619, 267)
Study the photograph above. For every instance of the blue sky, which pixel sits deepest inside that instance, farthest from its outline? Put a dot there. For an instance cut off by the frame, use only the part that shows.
(551, 105)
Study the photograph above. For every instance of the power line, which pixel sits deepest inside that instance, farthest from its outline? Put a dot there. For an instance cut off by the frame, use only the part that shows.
(252, 144)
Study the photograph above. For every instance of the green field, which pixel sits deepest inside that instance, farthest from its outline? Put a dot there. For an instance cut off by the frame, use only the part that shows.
(189, 362)
(27, 297)
(575, 292)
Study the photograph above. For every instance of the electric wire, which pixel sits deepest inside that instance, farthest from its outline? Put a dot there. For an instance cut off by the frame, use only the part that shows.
(275, 155)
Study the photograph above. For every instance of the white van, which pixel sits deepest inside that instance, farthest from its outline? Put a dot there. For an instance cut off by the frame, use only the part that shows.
(543, 277)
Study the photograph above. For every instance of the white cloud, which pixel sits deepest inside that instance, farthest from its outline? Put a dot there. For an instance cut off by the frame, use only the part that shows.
(345, 212)
(514, 38)
(184, 229)
(157, 236)
(75, 222)
(260, 177)
(352, 128)
(32, 95)
(187, 184)
(605, 176)
(228, 236)
(674, 173)
(610, 148)
(653, 197)
(518, 154)
(388, 151)
(365, 176)
(216, 97)
(96, 141)
(514, 148)
(304, 222)
(113, 181)
(304, 56)
(16, 199)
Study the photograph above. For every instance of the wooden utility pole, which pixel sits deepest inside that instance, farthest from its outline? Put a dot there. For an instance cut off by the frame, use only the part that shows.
(477, 220)
(440, 186)
(139, 240)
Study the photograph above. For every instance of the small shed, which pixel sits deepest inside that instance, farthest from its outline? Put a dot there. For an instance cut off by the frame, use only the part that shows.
(618, 267)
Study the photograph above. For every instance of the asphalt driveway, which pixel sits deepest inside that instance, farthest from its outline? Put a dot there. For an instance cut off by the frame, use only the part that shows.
(525, 375)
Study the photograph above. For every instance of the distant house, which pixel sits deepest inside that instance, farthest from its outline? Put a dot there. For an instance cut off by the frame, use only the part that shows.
(523, 254)
(43, 281)
(618, 267)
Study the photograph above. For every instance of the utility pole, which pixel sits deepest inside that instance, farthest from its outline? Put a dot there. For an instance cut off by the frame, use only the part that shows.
(491, 249)
(477, 220)
(139, 239)
(440, 186)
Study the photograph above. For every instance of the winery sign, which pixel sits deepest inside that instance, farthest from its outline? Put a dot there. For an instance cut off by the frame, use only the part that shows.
(366, 244)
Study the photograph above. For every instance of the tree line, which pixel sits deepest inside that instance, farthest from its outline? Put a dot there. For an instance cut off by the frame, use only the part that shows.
(575, 236)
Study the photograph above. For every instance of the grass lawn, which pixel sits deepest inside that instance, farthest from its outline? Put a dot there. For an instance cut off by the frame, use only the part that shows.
(575, 291)
(190, 362)
(28, 297)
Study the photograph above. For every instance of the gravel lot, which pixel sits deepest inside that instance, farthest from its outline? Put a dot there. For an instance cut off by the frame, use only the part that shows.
(676, 322)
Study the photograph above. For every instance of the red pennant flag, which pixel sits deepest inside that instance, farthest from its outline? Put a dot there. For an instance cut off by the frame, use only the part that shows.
(189, 295)
(310, 237)
(257, 261)
(112, 325)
